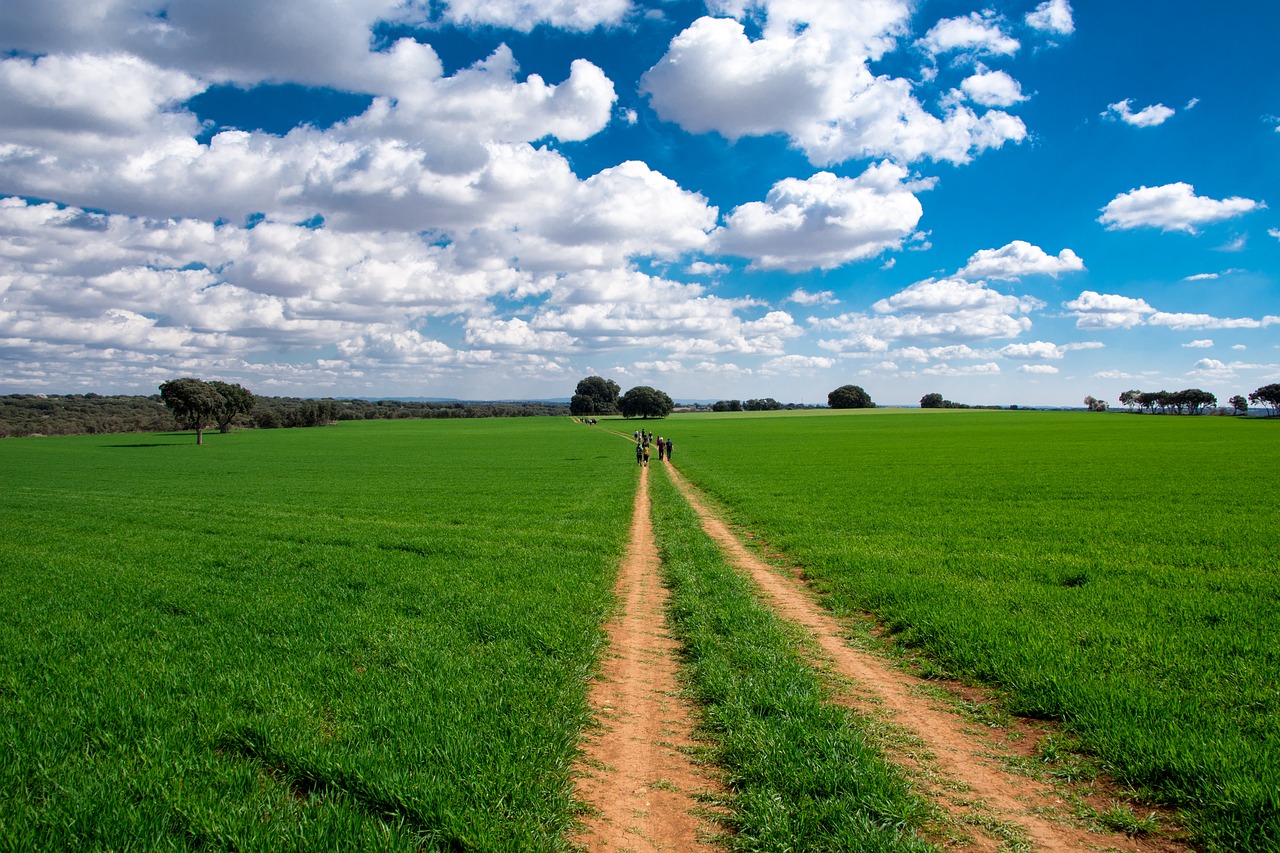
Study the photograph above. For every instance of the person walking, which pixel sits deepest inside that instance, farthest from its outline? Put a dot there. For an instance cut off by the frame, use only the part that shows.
(662, 447)
(645, 448)
(639, 453)
(670, 444)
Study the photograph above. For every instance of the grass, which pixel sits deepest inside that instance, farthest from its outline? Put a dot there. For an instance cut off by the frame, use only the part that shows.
(369, 636)
(802, 771)
(1115, 572)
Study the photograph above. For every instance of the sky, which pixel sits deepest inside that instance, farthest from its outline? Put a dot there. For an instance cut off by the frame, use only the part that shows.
(1005, 202)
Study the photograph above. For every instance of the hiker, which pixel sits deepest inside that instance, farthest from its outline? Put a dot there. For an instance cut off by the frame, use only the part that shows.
(670, 444)
(662, 448)
(639, 453)
(645, 448)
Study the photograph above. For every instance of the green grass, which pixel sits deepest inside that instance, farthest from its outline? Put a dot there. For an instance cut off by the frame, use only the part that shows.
(1116, 572)
(802, 771)
(368, 636)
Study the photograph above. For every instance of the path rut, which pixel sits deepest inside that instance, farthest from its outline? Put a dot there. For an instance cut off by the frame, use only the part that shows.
(637, 775)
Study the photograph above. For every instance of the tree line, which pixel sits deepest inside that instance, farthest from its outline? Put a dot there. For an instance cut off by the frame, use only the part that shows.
(1194, 401)
(98, 414)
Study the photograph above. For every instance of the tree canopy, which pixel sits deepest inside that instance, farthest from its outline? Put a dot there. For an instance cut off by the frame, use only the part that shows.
(850, 397)
(645, 402)
(1269, 396)
(931, 401)
(194, 403)
(595, 395)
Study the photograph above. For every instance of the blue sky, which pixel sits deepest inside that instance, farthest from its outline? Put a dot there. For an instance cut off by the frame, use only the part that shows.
(1013, 202)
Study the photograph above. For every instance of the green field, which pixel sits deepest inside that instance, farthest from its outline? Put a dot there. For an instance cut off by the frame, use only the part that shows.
(378, 635)
(1117, 572)
(371, 636)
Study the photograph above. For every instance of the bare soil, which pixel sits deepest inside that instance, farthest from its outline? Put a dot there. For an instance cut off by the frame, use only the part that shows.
(643, 789)
(961, 765)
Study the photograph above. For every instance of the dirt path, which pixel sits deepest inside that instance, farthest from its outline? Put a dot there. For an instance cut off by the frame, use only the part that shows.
(637, 775)
(973, 785)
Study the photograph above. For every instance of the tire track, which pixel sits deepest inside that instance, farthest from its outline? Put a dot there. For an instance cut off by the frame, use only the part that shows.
(636, 775)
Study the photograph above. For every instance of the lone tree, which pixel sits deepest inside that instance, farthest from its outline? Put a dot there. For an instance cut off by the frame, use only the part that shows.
(1093, 404)
(850, 397)
(932, 401)
(193, 402)
(595, 395)
(236, 400)
(1239, 404)
(645, 402)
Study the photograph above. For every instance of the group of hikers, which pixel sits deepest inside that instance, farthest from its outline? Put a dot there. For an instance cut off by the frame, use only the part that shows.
(644, 439)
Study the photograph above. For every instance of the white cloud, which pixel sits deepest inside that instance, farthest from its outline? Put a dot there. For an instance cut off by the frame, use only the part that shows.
(524, 15)
(992, 89)
(1108, 311)
(1204, 276)
(977, 33)
(1040, 369)
(800, 296)
(1053, 16)
(824, 221)
(807, 77)
(1200, 344)
(1172, 207)
(988, 369)
(796, 364)
(1033, 349)
(1017, 259)
(1151, 116)
(1274, 232)
(950, 312)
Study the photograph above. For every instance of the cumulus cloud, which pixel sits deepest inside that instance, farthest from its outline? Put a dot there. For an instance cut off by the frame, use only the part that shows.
(976, 33)
(524, 15)
(1052, 16)
(824, 221)
(949, 312)
(800, 296)
(1200, 344)
(992, 89)
(1017, 259)
(1172, 207)
(1040, 369)
(1151, 116)
(807, 77)
(1111, 311)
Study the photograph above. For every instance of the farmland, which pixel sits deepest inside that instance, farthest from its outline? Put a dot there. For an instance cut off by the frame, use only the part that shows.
(379, 635)
(370, 636)
(1115, 572)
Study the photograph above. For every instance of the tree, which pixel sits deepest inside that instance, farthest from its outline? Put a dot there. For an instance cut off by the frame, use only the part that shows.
(1239, 405)
(193, 402)
(850, 397)
(236, 400)
(726, 406)
(645, 402)
(595, 395)
(1269, 396)
(1093, 404)
(1131, 399)
(931, 401)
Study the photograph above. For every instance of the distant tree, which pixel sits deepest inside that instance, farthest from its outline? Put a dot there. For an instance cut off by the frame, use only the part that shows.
(850, 397)
(595, 395)
(1131, 399)
(768, 404)
(193, 402)
(931, 401)
(236, 400)
(1269, 396)
(1239, 404)
(645, 402)
(1195, 401)
(1093, 404)
(726, 406)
